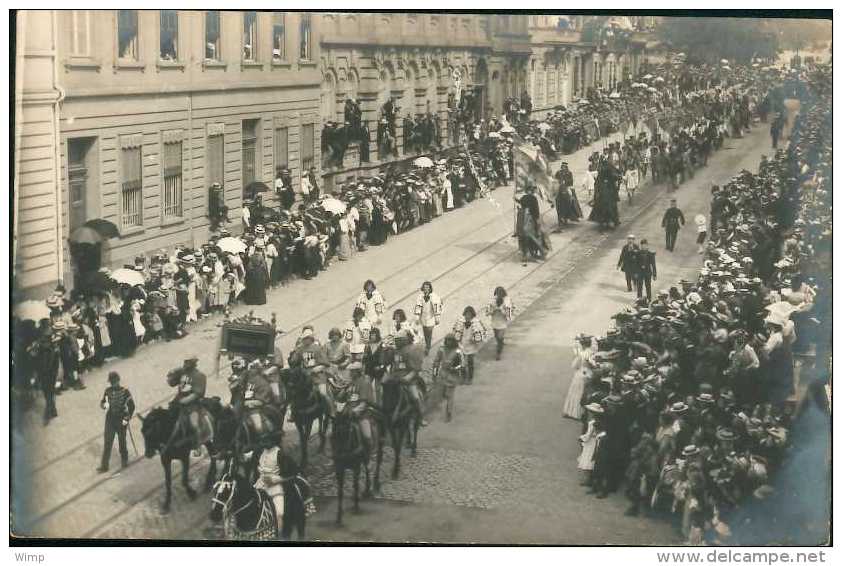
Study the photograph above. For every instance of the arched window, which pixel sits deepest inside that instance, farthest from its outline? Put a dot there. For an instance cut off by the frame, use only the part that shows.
(385, 87)
(328, 97)
(432, 101)
(408, 106)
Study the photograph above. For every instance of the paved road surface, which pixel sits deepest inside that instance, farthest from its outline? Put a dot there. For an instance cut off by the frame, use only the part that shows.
(502, 471)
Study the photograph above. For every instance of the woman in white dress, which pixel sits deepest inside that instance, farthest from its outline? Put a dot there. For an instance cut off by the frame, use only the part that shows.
(584, 349)
(373, 303)
(590, 443)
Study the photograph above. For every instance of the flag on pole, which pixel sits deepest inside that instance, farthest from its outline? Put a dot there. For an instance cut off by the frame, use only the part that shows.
(531, 166)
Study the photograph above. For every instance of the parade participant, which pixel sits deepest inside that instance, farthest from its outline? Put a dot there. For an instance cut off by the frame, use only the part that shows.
(428, 310)
(337, 351)
(406, 366)
(447, 368)
(565, 206)
(362, 398)
(375, 361)
(702, 229)
(236, 381)
(471, 333)
(372, 302)
(191, 384)
(257, 279)
(628, 261)
(310, 356)
(260, 393)
(531, 238)
(646, 270)
(671, 222)
(119, 407)
(357, 334)
(584, 350)
(45, 352)
(270, 473)
(501, 310)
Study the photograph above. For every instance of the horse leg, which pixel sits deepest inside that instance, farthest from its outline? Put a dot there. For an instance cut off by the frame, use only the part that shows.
(367, 490)
(340, 484)
(323, 422)
(303, 438)
(397, 445)
(415, 426)
(185, 477)
(380, 442)
(357, 487)
(211, 472)
(167, 464)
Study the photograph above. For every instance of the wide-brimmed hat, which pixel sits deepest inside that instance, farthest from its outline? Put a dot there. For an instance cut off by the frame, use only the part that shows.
(188, 259)
(725, 434)
(679, 408)
(705, 398)
(690, 450)
(54, 301)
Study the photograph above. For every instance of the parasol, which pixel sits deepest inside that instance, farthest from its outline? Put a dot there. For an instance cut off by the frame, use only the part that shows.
(724, 61)
(423, 162)
(336, 206)
(647, 77)
(94, 232)
(614, 94)
(85, 235)
(781, 310)
(494, 135)
(32, 310)
(231, 245)
(507, 130)
(543, 126)
(128, 277)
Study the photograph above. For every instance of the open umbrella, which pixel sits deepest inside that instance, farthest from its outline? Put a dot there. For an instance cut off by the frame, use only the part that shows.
(724, 61)
(543, 126)
(128, 277)
(231, 245)
(614, 94)
(253, 188)
(647, 77)
(507, 130)
(32, 310)
(105, 228)
(423, 162)
(337, 206)
(781, 309)
(85, 235)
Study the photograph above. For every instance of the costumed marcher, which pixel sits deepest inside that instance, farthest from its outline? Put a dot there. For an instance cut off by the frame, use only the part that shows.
(584, 350)
(501, 310)
(373, 303)
(471, 333)
(428, 310)
(357, 334)
(191, 384)
(447, 368)
(565, 204)
(407, 363)
(270, 477)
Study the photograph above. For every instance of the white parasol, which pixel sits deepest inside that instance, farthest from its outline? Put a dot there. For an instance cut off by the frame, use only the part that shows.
(647, 77)
(128, 277)
(32, 310)
(231, 245)
(494, 135)
(543, 126)
(336, 206)
(507, 130)
(614, 94)
(423, 162)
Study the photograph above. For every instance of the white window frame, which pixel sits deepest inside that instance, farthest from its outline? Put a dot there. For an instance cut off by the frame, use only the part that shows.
(218, 47)
(254, 38)
(177, 43)
(136, 57)
(279, 18)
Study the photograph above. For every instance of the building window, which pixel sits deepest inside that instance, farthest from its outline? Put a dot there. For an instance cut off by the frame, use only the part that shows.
(308, 147)
(212, 43)
(249, 163)
(172, 180)
(305, 29)
(281, 148)
(127, 34)
(132, 187)
(249, 36)
(215, 160)
(278, 36)
(77, 174)
(81, 30)
(169, 35)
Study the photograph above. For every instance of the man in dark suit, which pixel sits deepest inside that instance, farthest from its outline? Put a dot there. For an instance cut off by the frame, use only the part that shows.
(628, 260)
(646, 270)
(673, 220)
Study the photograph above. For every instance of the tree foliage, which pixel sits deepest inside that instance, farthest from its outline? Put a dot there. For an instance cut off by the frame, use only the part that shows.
(707, 40)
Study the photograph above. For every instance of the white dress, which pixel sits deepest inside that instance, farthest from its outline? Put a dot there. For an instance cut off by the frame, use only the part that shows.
(590, 440)
(582, 360)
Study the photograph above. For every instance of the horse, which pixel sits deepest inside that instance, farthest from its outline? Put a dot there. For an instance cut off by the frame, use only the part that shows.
(162, 434)
(350, 452)
(402, 419)
(308, 406)
(247, 513)
(239, 435)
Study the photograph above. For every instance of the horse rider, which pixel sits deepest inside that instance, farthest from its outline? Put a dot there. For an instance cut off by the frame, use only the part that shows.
(311, 357)
(260, 394)
(235, 381)
(361, 398)
(407, 362)
(270, 477)
(191, 384)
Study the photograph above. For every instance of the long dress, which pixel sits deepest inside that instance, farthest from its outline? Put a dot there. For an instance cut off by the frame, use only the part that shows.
(257, 278)
(344, 249)
(583, 358)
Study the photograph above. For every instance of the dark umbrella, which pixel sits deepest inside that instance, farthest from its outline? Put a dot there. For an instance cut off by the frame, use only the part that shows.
(255, 187)
(85, 235)
(105, 228)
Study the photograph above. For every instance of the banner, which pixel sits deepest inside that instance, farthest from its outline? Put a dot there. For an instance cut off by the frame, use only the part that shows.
(531, 167)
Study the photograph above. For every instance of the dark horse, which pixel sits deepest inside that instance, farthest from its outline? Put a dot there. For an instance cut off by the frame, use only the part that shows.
(402, 419)
(308, 406)
(247, 513)
(350, 452)
(160, 436)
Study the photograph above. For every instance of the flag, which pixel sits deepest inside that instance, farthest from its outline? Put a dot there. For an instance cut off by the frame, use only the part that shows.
(531, 167)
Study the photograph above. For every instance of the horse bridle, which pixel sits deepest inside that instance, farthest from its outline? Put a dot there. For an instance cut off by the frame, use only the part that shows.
(226, 503)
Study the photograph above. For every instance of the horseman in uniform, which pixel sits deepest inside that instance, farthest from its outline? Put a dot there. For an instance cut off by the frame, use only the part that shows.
(407, 362)
(260, 396)
(191, 384)
(311, 357)
(360, 395)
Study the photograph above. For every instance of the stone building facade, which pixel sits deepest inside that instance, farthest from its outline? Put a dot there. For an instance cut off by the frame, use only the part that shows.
(130, 116)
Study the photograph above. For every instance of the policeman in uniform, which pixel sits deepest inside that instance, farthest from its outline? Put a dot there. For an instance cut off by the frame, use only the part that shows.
(191, 384)
(628, 260)
(119, 407)
(673, 220)
(646, 270)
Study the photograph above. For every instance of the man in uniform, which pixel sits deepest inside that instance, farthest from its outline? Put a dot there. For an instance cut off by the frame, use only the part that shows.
(119, 407)
(191, 384)
(673, 220)
(407, 362)
(310, 356)
(628, 261)
(361, 397)
(646, 270)
(260, 394)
